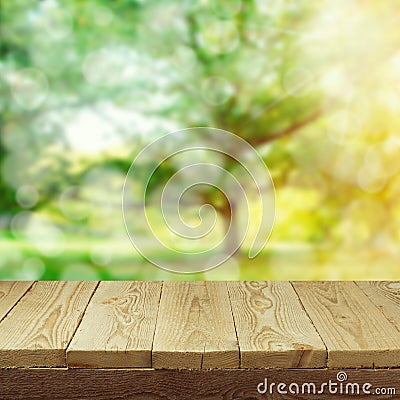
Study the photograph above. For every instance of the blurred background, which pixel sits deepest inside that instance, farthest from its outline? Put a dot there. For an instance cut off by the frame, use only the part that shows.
(313, 85)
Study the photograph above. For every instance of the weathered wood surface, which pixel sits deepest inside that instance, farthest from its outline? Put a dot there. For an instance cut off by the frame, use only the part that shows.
(200, 325)
(36, 332)
(386, 296)
(131, 384)
(195, 327)
(355, 331)
(10, 293)
(273, 329)
(118, 327)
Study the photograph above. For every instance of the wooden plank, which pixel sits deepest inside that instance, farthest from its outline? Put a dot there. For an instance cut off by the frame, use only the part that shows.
(118, 327)
(10, 293)
(195, 327)
(355, 332)
(133, 384)
(273, 329)
(38, 329)
(386, 296)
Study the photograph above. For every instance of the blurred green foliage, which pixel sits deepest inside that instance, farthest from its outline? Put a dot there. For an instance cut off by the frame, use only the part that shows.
(313, 85)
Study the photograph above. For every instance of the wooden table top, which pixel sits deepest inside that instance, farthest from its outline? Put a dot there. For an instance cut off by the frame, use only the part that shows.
(199, 325)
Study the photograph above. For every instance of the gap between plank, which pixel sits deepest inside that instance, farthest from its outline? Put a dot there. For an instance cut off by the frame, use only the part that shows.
(198, 323)
(155, 325)
(312, 322)
(19, 299)
(80, 320)
(202, 355)
(234, 325)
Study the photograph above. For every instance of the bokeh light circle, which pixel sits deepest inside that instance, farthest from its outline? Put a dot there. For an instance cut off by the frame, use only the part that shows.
(212, 181)
(27, 196)
(33, 268)
(216, 90)
(47, 237)
(70, 205)
(29, 88)
(101, 255)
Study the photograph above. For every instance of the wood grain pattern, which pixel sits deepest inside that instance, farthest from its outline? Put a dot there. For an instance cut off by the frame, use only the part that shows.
(355, 332)
(192, 325)
(38, 329)
(386, 296)
(118, 327)
(10, 293)
(195, 327)
(133, 384)
(273, 329)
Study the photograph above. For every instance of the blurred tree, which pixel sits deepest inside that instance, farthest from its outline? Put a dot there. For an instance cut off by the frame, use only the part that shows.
(89, 83)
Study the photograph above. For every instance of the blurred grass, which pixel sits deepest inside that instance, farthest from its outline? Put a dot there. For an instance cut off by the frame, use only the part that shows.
(278, 262)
